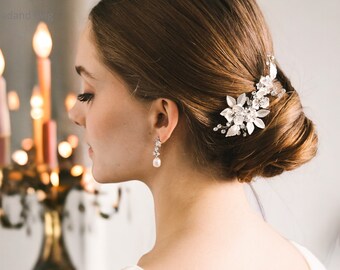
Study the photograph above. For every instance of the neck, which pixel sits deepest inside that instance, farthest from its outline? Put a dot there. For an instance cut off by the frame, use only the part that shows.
(188, 202)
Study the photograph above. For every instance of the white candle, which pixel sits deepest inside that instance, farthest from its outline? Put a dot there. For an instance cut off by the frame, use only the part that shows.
(5, 125)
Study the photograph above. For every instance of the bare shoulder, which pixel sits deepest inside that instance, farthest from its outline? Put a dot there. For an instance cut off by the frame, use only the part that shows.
(261, 247)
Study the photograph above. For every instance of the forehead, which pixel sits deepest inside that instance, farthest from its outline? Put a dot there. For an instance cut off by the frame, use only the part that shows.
(86, 53)
(88, 58)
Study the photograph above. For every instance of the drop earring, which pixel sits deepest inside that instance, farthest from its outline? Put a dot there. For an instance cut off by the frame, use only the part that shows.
(157, 161)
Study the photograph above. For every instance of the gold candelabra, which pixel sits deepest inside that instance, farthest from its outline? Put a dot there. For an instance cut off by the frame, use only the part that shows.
(42, 166)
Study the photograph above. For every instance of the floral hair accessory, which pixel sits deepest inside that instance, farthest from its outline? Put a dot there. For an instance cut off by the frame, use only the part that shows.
(245, 113)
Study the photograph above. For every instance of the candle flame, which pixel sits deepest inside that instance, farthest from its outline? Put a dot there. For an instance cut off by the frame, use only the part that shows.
(2, 63)
(42, 41)
(54, 179)
(37, 102)
(37, 113)
(20, 157)
(13, 101)
(65, 149)
(77, 170)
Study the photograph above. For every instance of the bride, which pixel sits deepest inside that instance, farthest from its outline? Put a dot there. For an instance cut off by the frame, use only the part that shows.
(188, 97)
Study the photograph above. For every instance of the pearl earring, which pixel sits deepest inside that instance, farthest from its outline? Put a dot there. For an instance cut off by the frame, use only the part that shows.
(157, 161)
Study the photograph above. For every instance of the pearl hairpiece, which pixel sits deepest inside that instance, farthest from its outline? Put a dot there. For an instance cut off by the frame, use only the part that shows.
(244, 113)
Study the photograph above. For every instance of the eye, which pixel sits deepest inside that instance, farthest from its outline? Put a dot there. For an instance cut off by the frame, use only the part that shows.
(86, 97)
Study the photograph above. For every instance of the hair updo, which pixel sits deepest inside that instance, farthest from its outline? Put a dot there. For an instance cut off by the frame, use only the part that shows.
(196, 52)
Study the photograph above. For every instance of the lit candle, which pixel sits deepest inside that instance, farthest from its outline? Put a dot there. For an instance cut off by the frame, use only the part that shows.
(42, 44)
(37, 114)
(5, 125)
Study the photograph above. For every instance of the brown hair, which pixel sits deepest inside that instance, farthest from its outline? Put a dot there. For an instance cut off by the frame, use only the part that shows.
(195, 52)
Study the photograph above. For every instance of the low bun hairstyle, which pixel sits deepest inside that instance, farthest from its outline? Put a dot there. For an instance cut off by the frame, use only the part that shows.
(196, 52)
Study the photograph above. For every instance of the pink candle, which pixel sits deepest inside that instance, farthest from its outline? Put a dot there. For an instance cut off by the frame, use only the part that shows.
(50, 144)
(5, 125)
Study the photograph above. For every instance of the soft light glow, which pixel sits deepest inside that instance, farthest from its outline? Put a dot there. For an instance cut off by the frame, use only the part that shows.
(70, 100)
(30, 191)
(27, 144)
(13, 101)
(54, 179)
(42, 41)
(37, 113)
(88, 182)
(37, 103)
(41, 195)
(15, 175)
(2, 63)
(48, 224)
(45, 178)
(65, 149)
(36, 100)
(73, 140)
(77, 170)
(20, 157)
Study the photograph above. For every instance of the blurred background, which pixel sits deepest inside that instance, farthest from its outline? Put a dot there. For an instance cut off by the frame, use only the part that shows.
(91, 226)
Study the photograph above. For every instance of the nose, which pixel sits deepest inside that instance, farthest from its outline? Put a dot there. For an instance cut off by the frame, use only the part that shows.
(76, 115)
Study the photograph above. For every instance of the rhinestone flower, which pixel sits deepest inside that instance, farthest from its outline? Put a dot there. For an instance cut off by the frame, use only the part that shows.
(245, 113)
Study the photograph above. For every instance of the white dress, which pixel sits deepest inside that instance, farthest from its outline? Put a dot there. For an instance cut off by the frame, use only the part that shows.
(312, 260)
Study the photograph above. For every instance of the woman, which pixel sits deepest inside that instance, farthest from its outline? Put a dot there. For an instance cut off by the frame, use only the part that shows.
(196, 82)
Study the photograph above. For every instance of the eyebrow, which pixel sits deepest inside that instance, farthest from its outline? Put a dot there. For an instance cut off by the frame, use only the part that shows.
(81, 70)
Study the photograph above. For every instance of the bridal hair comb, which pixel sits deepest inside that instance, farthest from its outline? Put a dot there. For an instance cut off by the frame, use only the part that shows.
(245, 113)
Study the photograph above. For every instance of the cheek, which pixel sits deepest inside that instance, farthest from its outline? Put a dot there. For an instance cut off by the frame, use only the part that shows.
(117, 128)
(104, 125)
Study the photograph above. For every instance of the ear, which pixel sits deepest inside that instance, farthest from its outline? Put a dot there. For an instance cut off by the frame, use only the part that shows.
(163, 115)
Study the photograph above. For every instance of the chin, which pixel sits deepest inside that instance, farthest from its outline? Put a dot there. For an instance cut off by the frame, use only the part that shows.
(106, 179)
(98, 176)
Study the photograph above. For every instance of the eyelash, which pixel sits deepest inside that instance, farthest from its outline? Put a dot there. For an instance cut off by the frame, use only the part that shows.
(86, 97)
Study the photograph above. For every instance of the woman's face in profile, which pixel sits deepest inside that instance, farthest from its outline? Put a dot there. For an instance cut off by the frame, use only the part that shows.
(115, 124)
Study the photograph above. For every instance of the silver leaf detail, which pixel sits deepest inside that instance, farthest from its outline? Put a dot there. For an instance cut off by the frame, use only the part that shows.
(231, 101)
(273, 71)
(242, 99)
(232, 131)
(262, 113)
(250, 127)
(259, 123)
